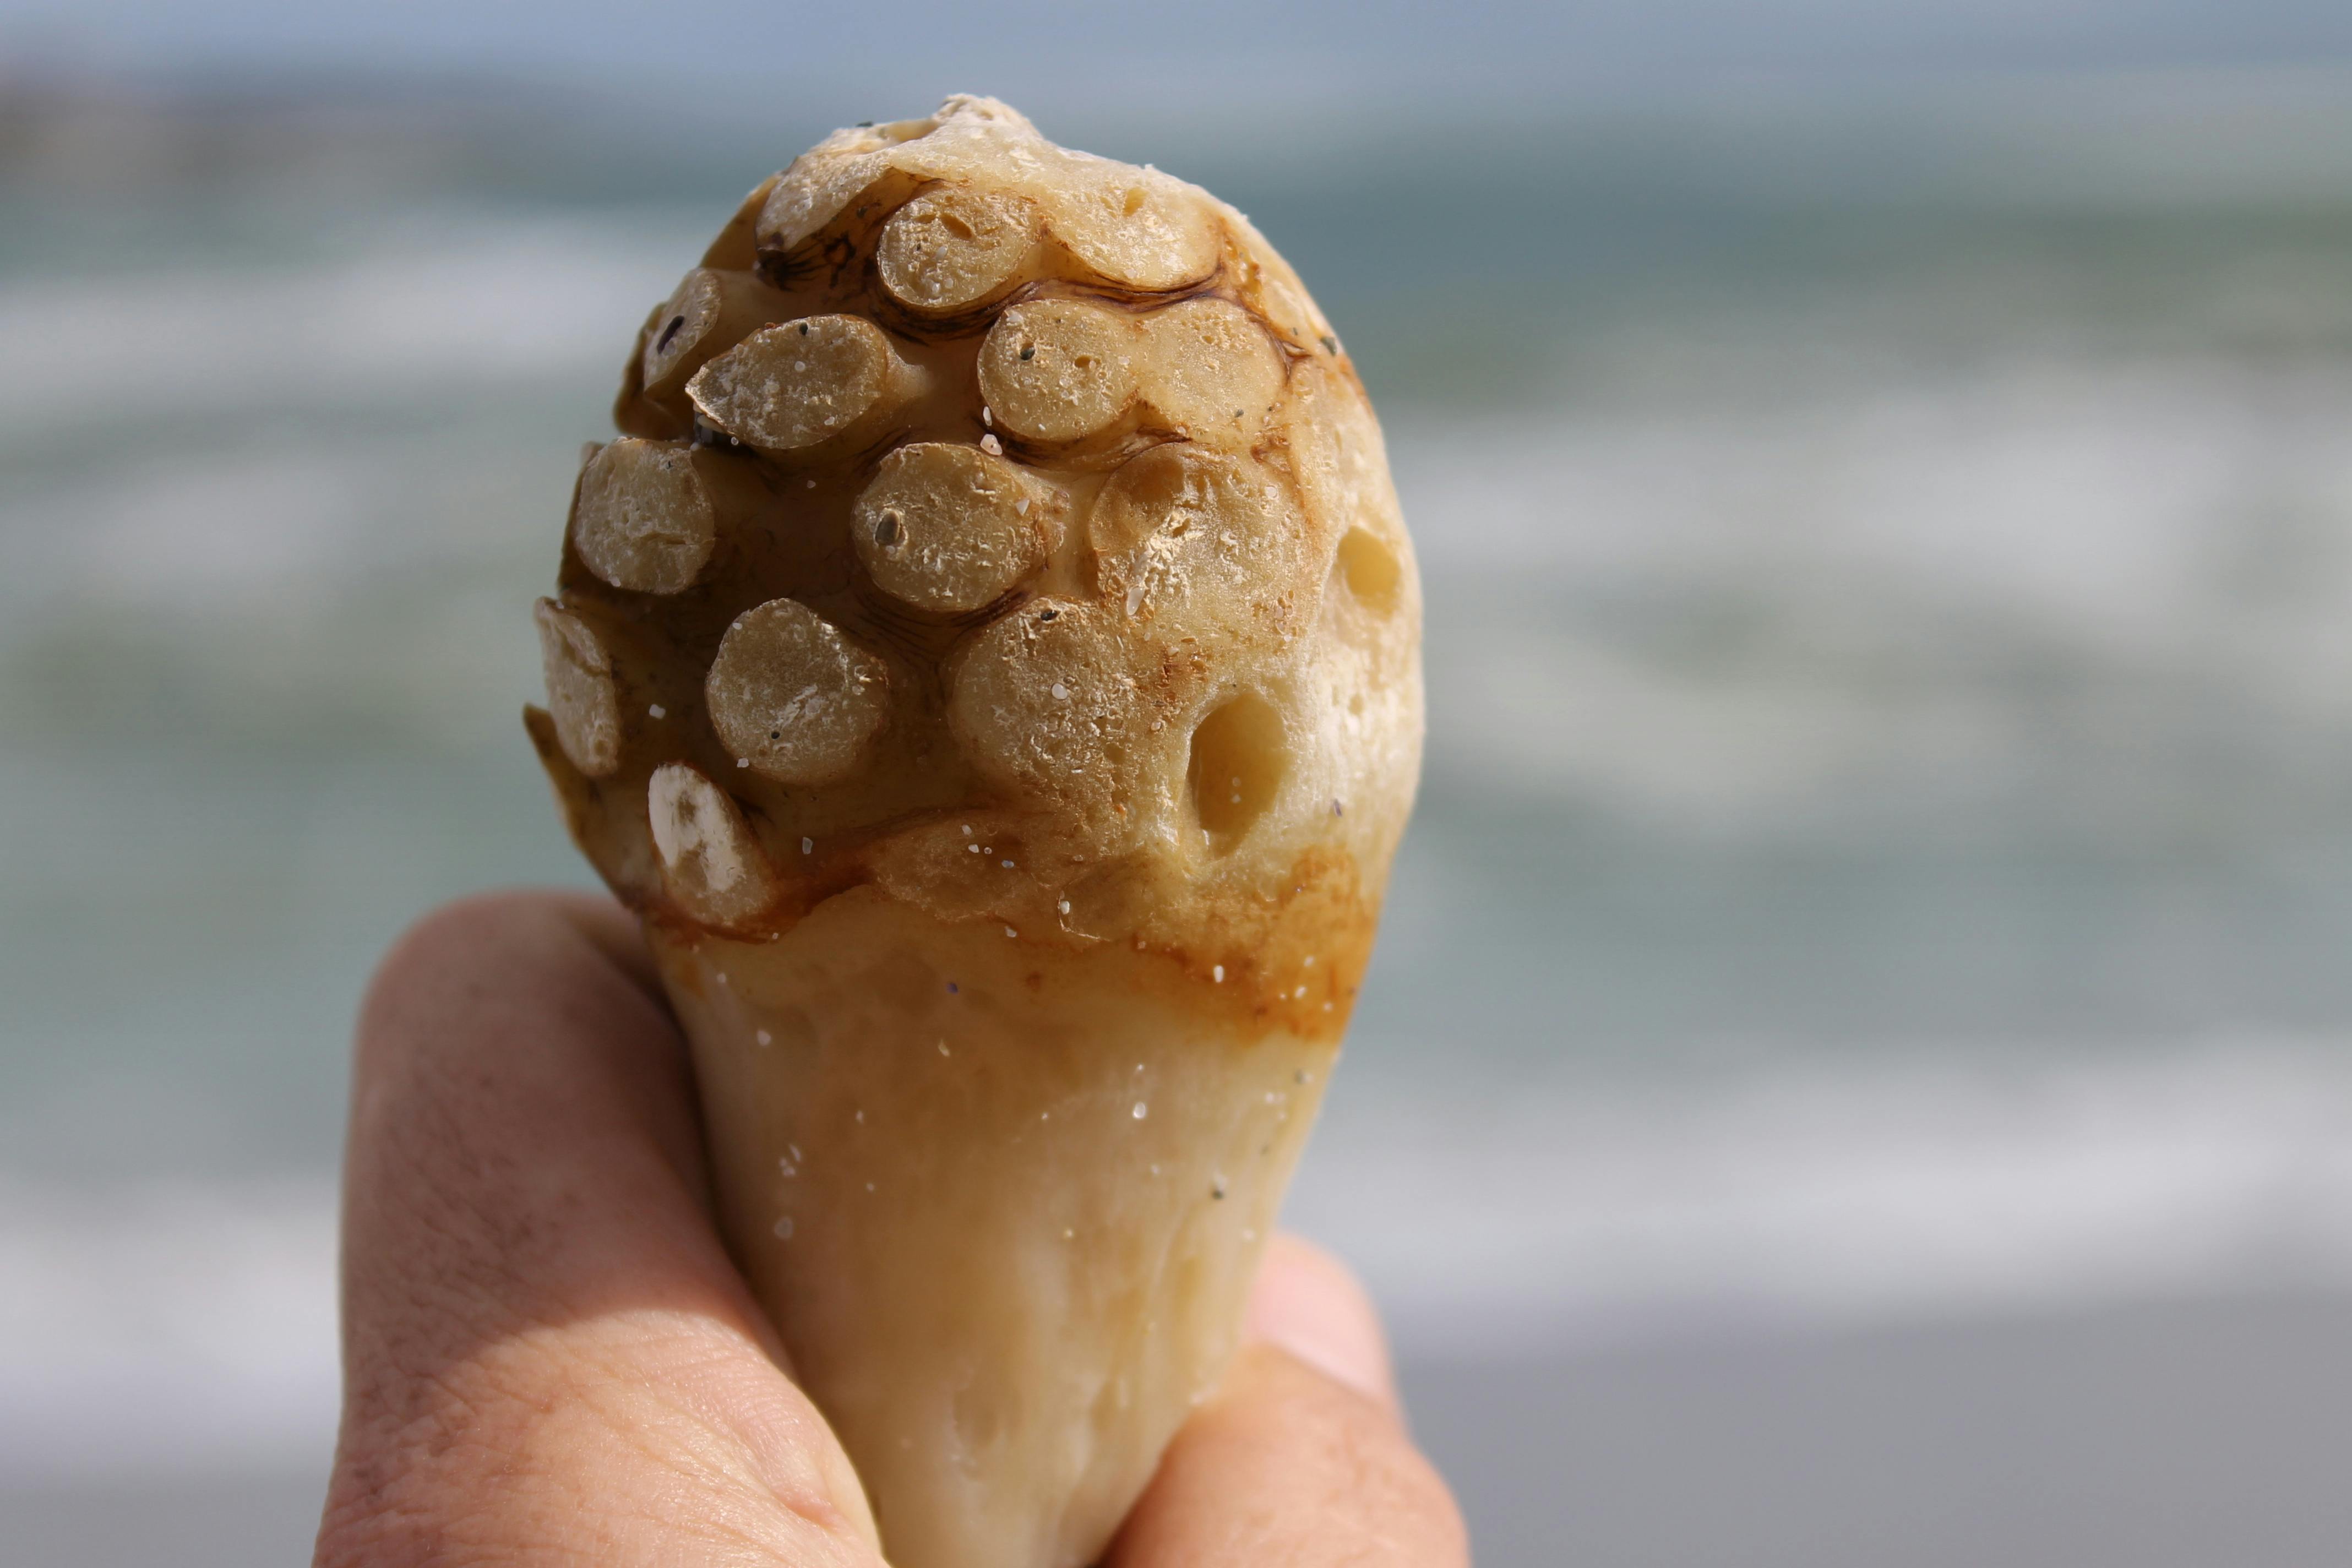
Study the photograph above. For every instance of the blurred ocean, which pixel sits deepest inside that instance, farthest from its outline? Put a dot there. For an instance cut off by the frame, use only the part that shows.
(1887, 850)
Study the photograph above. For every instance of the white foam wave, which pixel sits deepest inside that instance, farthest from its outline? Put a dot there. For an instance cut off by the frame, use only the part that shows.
(191, 1324)
(1996, 590)
(2098, 490)
(1797, 586)
(1564, 1212)
(409, 316)
(166, 1325)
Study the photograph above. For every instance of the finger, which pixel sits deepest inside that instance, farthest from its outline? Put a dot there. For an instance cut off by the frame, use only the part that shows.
(1302, 1459)
(1309, 1303)
(548, 1356)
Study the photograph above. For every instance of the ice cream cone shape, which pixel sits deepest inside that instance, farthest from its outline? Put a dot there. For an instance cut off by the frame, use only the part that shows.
(987, 660)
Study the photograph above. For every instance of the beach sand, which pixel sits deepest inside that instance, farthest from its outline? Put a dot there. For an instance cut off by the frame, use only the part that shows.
(2179, 1435)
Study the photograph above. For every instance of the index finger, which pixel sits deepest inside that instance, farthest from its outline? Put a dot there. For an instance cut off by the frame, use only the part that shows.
(548, 1356)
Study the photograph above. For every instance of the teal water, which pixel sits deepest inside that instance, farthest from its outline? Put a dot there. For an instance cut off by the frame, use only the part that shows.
(1887, 835)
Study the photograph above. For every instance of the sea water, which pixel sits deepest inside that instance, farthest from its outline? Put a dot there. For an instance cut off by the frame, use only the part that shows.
(1886, 845)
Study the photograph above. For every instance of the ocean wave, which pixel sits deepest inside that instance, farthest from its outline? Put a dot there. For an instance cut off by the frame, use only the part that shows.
(165, 1325)
(158, 1324)
(1563, 1212)
(415, 307)
(1750, 586)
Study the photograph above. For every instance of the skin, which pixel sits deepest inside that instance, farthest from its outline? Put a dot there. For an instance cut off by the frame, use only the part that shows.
(548, 1358)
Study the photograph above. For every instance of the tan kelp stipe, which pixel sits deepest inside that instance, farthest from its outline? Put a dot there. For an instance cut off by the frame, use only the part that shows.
(988, 660)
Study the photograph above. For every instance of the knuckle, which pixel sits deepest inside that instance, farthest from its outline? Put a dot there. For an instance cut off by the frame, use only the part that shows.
(426, 1476)
(433, 960)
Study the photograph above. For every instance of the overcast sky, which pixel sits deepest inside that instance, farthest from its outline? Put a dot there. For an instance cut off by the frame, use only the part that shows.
(1160, 50)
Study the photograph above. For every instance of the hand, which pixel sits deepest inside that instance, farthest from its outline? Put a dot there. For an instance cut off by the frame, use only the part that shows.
(548, 1359)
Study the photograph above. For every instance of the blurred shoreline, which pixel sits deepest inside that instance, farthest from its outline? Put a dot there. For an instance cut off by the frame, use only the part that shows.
(1574, 1214)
